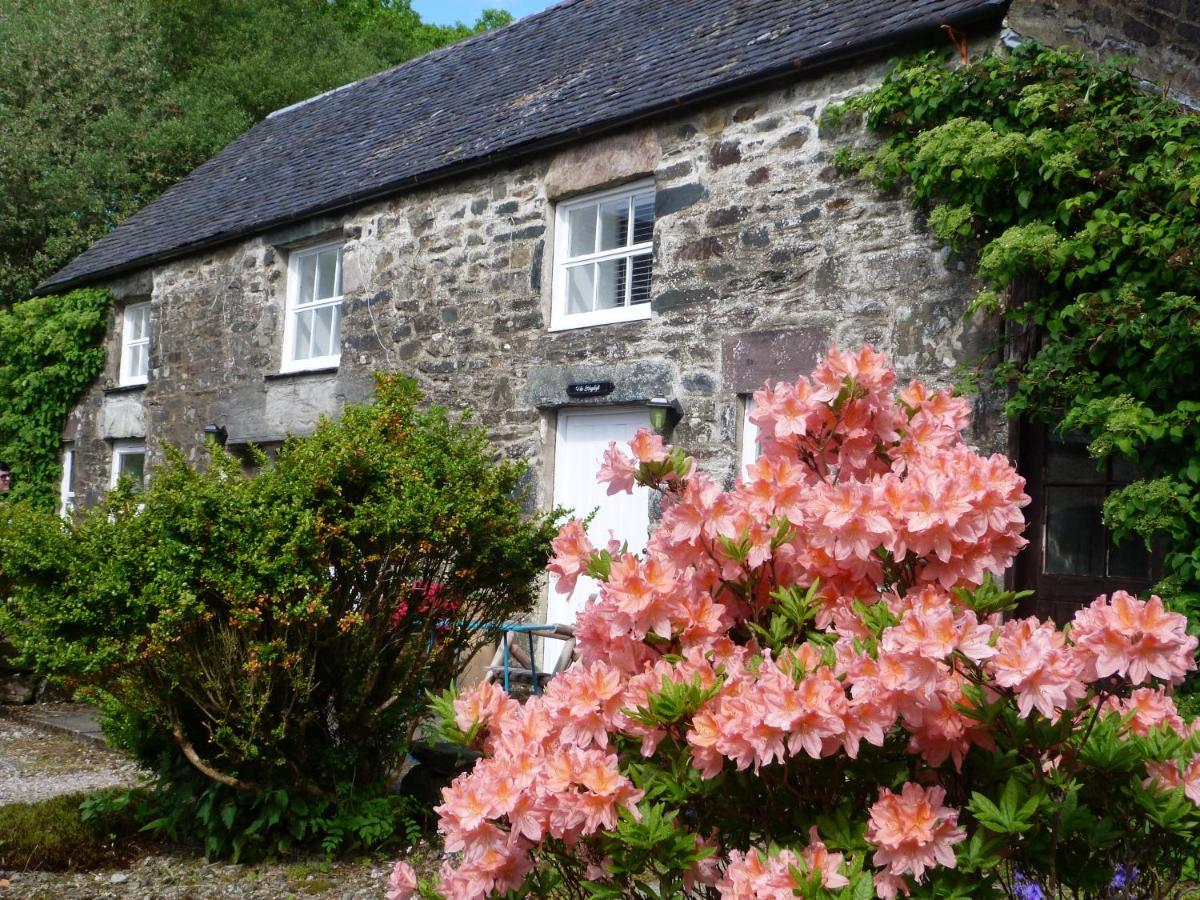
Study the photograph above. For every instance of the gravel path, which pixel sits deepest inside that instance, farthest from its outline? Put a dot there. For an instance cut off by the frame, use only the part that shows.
(36, 764)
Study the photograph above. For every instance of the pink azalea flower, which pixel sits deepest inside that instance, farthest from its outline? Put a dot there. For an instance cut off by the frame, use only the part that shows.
(572, 550)
(913, 831)
(1172, 774)
(402, 883)
(1033, 660)
(618, 470)
(648, 447)
(818, 859)
(1137, 639)
(754, 876)
(1151, 708)
(888, 886)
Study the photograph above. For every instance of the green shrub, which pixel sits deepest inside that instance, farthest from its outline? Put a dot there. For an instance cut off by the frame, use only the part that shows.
(1079, 193)
(52, 835)
(264, 643)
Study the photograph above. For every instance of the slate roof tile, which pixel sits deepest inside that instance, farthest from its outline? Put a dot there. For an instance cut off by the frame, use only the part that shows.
(580, 67)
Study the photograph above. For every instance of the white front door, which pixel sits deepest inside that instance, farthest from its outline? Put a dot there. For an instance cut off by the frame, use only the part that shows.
(582, 437)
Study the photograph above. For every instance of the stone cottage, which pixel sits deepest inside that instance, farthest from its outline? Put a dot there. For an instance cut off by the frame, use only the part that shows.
(607, 215)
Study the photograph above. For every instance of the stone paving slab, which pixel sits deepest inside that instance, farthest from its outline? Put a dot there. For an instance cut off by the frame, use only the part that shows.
(75, 719)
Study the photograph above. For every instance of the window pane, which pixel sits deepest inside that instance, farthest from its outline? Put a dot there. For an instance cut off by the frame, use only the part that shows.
(1067, 460)
(610, 292)
(322, 344)
(335, 343)
(643, 218)
(580, 288)
(327, 266)
(1074, 532)
(139, 361)
(581, 227)
(1129, 559)
(132, 465)
(304, 329)
(1125, 471)
(614, 223)
(640, 291)
(139, 320)
(308, 277)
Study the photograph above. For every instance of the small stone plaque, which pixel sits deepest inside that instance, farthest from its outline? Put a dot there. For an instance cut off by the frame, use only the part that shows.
(750, 358)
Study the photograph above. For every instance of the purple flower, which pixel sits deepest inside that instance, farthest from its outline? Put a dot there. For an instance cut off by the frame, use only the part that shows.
(1123, 876)
(1025, 889)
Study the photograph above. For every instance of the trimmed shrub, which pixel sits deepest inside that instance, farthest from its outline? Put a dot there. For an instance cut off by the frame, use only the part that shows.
(265, 641)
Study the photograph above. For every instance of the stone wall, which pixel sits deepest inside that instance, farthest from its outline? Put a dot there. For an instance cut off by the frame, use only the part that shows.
(763, 255)
(1163, 36)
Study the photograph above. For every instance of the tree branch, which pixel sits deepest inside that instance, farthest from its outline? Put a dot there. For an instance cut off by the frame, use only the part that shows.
(204, 768)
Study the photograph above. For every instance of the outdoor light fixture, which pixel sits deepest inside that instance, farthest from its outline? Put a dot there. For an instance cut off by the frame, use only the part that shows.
(217, 432)
(663, 413)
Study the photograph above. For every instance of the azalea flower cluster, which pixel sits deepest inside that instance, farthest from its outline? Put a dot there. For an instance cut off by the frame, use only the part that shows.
(864, 518)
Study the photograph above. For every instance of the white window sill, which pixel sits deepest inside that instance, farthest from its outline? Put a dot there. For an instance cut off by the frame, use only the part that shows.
(309, 365)
(133, 382)
(638, 313)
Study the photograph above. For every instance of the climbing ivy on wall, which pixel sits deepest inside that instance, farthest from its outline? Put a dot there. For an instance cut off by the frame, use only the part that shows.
(51, 350)
(1078, 190)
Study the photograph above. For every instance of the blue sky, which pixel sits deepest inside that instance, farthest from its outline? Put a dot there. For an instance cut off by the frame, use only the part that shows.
(446, 12)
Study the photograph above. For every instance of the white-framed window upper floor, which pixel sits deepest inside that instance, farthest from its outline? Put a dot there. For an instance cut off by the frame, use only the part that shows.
(135, 344)
(603, 257)
(129, 461)
(312, 328)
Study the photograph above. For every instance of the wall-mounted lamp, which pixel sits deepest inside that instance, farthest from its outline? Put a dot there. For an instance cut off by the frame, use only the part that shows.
(663, 413)
(217, 432)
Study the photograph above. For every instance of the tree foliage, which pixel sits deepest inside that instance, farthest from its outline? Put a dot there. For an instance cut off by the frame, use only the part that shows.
(49, 353)
(266, 641)
(106, 103)
(1080, 192)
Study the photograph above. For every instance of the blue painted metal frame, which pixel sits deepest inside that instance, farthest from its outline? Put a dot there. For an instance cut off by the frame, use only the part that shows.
(529, 631)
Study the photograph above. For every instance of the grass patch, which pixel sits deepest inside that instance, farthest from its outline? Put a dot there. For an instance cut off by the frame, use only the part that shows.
(50, 835)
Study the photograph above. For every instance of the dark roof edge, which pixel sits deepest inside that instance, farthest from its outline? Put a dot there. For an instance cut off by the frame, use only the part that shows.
(991, 10)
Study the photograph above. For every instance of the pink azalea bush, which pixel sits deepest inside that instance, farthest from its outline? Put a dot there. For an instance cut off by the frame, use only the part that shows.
(805, 686)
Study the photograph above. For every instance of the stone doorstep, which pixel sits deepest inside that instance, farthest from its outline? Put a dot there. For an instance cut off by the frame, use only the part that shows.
(74, 719)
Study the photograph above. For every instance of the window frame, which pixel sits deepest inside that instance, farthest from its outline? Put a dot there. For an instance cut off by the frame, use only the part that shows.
(560, 319)
(1058, 595)
(125, 377)
(128, 447)
(748, 450)
(66, 491)
(292, 309)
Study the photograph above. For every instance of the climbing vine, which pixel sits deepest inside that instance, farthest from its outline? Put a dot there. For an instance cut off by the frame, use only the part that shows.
(1078, 190)
(51, 349)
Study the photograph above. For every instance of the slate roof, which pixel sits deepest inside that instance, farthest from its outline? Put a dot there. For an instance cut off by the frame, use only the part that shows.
(578, 68)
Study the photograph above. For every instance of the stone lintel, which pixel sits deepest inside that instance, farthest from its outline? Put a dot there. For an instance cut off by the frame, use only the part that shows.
(633, 382)
(122, 416)
(604, 163)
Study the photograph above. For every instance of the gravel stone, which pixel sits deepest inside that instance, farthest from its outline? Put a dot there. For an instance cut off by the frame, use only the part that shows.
(36, 764)
(188, 877)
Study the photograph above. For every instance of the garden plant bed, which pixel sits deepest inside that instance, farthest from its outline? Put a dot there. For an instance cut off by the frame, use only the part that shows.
(177, 875)
(38, 763)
